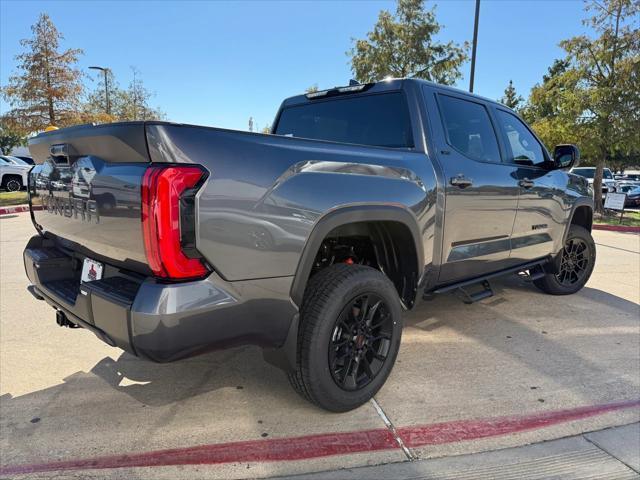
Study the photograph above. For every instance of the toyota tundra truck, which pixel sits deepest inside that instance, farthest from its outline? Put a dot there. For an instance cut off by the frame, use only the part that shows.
(170, 240)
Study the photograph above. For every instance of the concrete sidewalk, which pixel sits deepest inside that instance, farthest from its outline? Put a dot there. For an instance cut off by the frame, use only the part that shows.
(612, 453)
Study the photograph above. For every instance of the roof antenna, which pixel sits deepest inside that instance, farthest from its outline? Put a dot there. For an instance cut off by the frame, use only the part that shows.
(353, 82)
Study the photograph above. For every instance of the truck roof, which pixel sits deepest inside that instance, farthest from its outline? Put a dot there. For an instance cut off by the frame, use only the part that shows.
(387, 85)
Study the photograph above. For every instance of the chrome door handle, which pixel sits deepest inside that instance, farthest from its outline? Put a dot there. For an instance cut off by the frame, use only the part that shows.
(460, 181)
(526, 183)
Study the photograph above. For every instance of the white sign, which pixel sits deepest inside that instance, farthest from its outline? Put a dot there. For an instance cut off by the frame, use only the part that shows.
(91, 270)
(615, 201)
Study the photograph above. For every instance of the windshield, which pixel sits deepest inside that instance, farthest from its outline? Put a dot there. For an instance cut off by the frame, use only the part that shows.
(379, 120)
(626, 188)
(584, 172)
(590, 172)
(16, 161)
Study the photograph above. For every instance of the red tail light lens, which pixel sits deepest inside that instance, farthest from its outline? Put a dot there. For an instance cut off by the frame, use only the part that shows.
(162, 187)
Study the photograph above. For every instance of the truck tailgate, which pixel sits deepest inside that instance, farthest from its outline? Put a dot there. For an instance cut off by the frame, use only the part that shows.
(90, 187)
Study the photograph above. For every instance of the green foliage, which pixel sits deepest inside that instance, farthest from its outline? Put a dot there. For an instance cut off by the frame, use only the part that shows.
(511, 98)
(47, 89)
(592, 96)
(313, 88)
(404, 45)
(13, 198)
(10, 135)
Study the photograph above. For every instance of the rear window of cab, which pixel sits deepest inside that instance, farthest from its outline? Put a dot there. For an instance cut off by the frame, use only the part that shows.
(379, 120)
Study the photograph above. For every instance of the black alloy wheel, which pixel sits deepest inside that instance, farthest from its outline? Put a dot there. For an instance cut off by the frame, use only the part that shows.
(573, 262)
(360, 342)
(572, 267)
(349, 336)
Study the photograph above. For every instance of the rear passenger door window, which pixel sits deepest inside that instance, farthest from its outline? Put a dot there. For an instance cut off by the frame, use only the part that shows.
(522, 147)
(469, 129)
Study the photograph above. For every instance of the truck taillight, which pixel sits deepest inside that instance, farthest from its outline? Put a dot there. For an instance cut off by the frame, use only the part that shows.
(162, 189)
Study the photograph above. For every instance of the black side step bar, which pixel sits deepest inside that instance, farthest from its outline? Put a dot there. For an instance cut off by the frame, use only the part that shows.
(469, 297)
(535, 269)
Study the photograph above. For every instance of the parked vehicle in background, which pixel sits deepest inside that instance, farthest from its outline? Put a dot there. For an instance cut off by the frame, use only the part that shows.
(626, 187)
(632, 176)
(169, 240)
(25, 159)
(633, 197)
(608, 181)
(13, 173)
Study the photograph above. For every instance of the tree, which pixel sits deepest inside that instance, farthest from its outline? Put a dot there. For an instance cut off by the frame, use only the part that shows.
(94, 107)
(553, 112)
(403, 45)
(10, 137)
(511, 98)
(126, 105)
(593, 95)
(134, 102)
(312, 89)
(47, 89)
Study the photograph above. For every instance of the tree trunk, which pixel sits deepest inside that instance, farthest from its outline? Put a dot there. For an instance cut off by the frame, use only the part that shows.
(52, 113)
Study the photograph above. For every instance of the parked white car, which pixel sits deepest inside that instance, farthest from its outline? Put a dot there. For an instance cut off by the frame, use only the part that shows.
(609, 184)
(13, 173)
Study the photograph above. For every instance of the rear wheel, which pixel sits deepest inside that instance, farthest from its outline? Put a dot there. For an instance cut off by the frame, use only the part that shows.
(12, 184)
(575, 264)
(351, 324)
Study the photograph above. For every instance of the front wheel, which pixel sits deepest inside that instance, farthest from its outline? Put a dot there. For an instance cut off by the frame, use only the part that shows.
(575, 264)
(12, 184)
(351, 324)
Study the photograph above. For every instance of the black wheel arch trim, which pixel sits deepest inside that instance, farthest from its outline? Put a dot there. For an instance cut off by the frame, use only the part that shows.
(343, 216)
(580, 202)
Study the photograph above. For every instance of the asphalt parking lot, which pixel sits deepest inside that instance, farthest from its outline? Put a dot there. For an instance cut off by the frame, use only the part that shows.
(516, 368)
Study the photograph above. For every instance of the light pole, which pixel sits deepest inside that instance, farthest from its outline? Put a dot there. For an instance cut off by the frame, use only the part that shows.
(106, 87)
(475, 44)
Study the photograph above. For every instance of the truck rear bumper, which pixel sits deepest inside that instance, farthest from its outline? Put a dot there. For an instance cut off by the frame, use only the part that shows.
(161, 321)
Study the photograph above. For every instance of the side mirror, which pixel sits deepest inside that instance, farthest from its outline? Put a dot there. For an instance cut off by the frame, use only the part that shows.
(566, 156)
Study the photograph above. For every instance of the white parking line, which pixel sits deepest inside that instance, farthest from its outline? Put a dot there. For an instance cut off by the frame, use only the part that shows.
(392, 429)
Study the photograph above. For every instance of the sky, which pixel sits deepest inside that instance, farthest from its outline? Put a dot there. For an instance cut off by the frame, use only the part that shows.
(218, 63)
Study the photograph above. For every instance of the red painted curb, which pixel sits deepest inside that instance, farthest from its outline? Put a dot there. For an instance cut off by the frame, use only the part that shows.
(18, 209)
(616, 228)
(327, 444)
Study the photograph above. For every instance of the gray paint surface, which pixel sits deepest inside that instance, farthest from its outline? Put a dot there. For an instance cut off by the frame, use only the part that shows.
(265, 195)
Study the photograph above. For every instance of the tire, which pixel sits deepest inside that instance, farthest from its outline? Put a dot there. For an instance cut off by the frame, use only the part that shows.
(12, 183)
(344, 358)
(574, 264)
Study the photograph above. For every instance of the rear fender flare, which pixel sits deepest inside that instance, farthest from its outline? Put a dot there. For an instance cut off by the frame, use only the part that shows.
(343, 216)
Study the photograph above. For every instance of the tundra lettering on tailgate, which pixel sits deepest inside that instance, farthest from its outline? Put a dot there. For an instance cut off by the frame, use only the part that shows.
(86, 210)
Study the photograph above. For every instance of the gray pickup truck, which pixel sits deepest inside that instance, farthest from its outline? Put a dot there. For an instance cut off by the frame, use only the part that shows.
(170, 240)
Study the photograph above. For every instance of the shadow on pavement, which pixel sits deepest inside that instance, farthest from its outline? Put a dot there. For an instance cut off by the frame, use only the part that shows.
(161, 384)
(584, 346)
